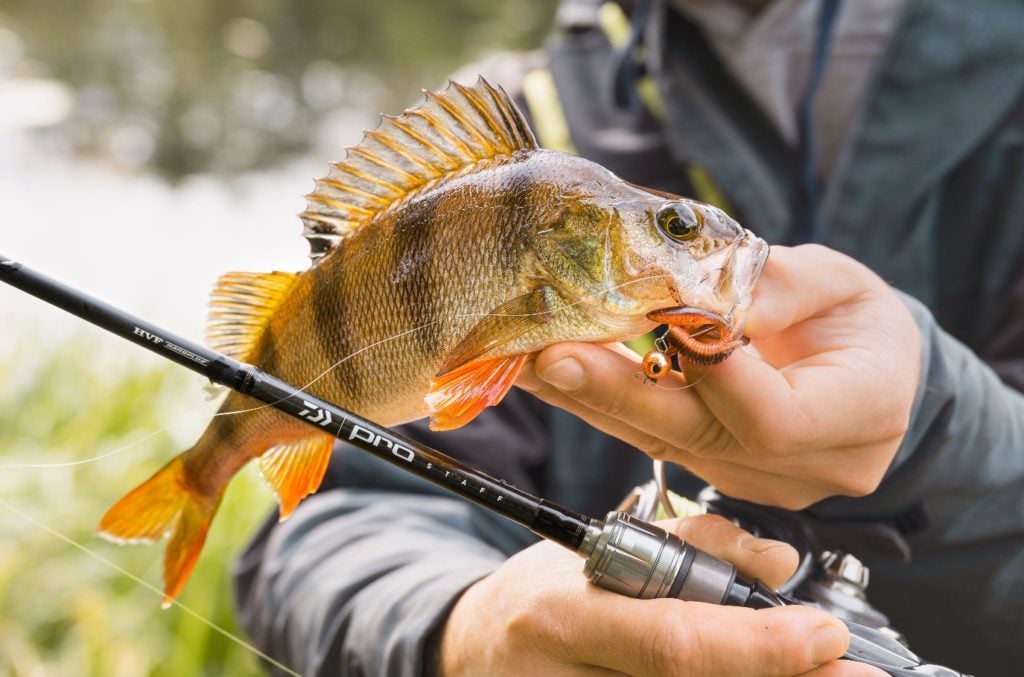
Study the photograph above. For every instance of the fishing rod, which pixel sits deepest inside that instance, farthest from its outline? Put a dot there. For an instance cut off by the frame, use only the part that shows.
(623, 554)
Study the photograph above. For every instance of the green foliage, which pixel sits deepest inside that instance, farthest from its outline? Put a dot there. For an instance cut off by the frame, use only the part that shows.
(62, 611)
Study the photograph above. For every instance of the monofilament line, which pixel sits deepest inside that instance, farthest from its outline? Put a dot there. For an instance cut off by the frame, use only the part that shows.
(195, 614)
(336, 365)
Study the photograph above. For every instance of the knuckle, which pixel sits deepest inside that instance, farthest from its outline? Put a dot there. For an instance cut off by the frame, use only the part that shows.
(894, 426)
(682, 651)
(660, 451)
(709, 439)
(770, 439)
(797, 501)
(615, 403)
(530, 622)
(817, 250)
(860, 484)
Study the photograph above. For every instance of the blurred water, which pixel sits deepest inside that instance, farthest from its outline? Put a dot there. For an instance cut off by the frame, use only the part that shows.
(148, 147)
(138, 242)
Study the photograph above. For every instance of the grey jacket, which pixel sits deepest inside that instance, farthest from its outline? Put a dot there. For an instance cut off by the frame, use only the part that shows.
(929, 192)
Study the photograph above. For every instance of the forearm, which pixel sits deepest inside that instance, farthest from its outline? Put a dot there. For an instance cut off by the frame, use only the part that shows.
(363, 571)
(959, 476)
(356, 581)
(964, 444)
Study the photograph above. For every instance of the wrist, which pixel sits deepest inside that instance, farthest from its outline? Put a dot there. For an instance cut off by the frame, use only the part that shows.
(451, 639)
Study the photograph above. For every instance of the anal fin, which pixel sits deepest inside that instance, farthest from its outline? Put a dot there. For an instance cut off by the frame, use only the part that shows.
(295, 470)
(458, 396)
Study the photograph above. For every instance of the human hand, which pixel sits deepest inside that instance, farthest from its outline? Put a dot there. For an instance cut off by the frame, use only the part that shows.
(537, 615)
(818, 407)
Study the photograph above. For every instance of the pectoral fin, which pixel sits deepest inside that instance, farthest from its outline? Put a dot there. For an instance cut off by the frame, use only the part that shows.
(456, 398)
(467, 381)
(505, 323)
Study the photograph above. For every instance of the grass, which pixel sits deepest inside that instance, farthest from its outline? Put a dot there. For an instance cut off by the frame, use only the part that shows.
(63, 612)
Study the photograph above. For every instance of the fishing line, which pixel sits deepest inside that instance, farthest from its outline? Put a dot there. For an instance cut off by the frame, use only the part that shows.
(395, 337)
(124, 572)
(683, 387)
(115, 452)
(169, 426)
(321, 375)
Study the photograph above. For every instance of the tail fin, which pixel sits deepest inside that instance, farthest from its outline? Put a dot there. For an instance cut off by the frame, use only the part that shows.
(164, 505)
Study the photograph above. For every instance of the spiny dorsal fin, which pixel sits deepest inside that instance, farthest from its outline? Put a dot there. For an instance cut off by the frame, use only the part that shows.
(240, 307)
(452, 130)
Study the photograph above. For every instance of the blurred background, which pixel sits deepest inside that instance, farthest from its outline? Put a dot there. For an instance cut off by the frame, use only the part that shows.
(147, 146)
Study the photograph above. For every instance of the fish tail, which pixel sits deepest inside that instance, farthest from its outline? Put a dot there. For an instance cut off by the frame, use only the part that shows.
(165, 504)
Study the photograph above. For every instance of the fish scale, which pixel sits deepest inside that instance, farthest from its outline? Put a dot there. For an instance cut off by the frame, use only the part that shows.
(447, 248)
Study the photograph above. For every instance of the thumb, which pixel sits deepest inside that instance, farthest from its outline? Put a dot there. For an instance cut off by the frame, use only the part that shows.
(671, 637)
(770, 561)
(799, 282)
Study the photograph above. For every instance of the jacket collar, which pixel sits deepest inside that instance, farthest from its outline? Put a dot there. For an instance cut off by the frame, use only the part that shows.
(950, 66)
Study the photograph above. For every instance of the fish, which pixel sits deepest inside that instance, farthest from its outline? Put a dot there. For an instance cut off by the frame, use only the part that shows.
(447, 248)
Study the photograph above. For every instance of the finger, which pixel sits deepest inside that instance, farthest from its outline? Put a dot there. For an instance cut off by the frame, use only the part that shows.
(670, 637)
(794, 482)
(773, 562)
(844, 668)
(732, 478)
(798, 283)
(601, 386)
(756, 402)
(782, 412)
(716, 457)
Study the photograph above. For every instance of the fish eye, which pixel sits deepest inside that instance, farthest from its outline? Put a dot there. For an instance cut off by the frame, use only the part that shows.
(679, 221)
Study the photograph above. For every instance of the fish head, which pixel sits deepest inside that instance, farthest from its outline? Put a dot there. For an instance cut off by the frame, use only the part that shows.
(636, 258)
(707, 264)
(696, 254)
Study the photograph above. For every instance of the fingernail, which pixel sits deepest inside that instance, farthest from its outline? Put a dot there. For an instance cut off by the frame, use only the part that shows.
(828, 643)
(759, 545)
(566, 374)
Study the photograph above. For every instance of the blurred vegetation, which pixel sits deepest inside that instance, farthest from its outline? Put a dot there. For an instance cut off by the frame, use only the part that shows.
(175, 87)
(189, 86)
(64, 612)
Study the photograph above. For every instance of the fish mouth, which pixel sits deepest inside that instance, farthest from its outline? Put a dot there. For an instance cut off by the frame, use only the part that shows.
(699, 335)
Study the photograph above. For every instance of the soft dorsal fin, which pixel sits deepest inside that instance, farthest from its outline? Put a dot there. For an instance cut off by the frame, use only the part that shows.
(452, 130)
(240, 307)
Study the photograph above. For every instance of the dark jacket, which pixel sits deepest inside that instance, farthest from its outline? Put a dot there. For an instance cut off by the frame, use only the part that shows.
(929, 192)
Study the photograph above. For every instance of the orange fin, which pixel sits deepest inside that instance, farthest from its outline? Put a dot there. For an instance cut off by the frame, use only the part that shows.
(503, 324)
(295, 470)
(162, 505)
(186, 543)
(457, 397)
(241, 305)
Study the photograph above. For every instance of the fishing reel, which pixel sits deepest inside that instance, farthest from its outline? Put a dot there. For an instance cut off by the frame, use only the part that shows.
(831, 580)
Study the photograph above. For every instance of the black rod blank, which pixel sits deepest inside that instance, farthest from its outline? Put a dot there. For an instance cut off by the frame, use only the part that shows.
(546, 519)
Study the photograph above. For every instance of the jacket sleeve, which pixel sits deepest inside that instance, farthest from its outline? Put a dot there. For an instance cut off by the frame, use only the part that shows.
(960, 471)
(361, 576)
